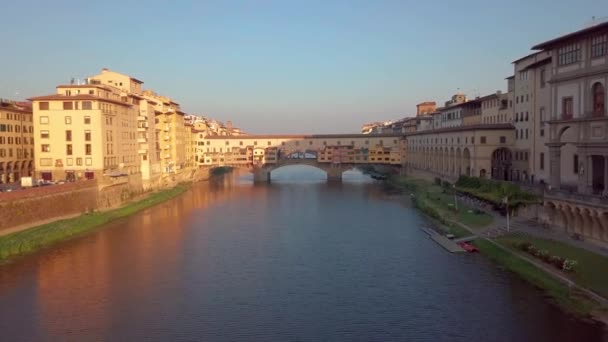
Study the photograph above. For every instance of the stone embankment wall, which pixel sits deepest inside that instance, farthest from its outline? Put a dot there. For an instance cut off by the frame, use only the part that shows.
(27, 207)
(45, 203)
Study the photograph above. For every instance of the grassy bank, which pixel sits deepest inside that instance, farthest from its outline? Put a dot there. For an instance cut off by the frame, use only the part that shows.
(433, 201)
(44, 235)
(438, 203)
(586, 273)
(569, 299)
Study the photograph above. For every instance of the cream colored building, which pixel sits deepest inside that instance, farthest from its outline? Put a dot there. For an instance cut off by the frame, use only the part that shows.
(102, 127)
(16, 141)
(467, 150)
(576, 132)
(529, 98)
(172, 133)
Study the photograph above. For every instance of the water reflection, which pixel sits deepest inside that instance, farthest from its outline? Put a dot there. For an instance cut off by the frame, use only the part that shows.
(298, 259)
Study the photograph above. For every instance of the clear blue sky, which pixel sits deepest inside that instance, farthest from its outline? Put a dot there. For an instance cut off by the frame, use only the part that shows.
(283, 66)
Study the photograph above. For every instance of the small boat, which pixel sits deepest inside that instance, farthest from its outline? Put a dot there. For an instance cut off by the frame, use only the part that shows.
(468, 247)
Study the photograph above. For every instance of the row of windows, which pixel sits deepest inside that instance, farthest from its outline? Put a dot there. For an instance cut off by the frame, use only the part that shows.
(44, 134)
(521, 117)
(19, 152)
(47, 148)
(14, 140)
(519, 134)
(44, 120)
(520, 99)
(523, 156)
(16, 116)
(495, 119)
(68, 161)
(569, 54)
(297, 143)
(599, 45)
(68, 105)
(16, 128)
(466, 140)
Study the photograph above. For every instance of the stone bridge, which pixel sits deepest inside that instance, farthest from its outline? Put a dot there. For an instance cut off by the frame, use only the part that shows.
(334, 154)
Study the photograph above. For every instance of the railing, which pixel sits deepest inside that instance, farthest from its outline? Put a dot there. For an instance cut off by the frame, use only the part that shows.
(573, 196)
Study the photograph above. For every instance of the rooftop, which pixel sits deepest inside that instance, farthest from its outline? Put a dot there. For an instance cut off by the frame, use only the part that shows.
(603, 26)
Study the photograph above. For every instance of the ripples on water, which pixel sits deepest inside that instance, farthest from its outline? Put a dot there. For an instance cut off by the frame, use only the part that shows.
(295, 260)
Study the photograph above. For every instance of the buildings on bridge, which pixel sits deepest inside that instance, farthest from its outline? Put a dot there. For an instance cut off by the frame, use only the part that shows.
(16, 141)
(246, 151)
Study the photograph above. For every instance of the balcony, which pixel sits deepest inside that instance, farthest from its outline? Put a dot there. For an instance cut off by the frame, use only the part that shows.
(141, 129)
(142, 118)
(142, 140)
(142, 151)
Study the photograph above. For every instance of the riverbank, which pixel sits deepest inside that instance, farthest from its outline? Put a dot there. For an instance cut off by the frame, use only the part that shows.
(29, 240)
(502, 252)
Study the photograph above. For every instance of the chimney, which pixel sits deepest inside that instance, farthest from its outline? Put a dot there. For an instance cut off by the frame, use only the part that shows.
(104, 69)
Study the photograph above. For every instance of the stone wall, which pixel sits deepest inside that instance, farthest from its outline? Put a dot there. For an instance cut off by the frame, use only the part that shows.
(30, 206)
(34, 205)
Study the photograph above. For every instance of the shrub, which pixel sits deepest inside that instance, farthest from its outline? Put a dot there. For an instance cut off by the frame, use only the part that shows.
(556, 261)
(523, 245)
(437, 181)
(569, 265)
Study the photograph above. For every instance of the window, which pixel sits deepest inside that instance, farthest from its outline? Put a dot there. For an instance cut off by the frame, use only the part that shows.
(87, 105)
(46, 161)
(68, 105)
(483, 140)
(599, 45)
(542, 78)
(575, 163)
(87, 120)
(79, 161)
(43, 105)
(88, 161)
(567, 108)
(599, 99)
(45, 148)
(503, 140)
(44, 134)
(87, 149)
(569, 54)
(526, 116)
(68, 149)
(68, 120)
(91, 92)
(542, 161)
(69, 161)
(542, 132)
(44, 120)
(68, 135)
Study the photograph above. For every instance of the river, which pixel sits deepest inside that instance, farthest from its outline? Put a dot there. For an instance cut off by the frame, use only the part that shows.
(295, 260)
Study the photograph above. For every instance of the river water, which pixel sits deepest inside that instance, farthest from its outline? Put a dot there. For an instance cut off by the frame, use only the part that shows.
(295, 260)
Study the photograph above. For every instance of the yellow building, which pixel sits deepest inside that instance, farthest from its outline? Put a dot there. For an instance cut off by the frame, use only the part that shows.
(16, 141)
(172, 132)
(102, 127)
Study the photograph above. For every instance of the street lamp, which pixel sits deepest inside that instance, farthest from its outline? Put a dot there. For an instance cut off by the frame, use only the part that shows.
(455, 197)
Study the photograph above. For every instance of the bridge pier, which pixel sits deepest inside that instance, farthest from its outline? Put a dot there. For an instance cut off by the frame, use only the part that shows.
(261, 175)
(334, 174)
